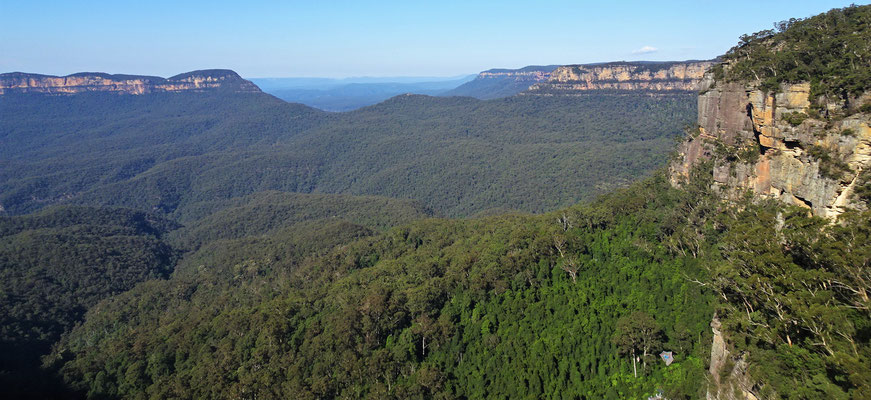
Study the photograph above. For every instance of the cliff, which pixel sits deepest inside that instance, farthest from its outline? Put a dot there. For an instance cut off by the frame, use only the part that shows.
(683, 76)
(776, 145)
(196, 81)
(496, 83)
(527, 74)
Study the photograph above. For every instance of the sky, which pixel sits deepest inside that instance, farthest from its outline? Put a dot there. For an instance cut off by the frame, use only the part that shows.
(337, 39)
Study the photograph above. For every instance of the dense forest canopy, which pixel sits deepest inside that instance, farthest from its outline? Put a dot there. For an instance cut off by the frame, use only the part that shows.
(508, 306)
(457, 156)
(58, 263)
(235, 271)
(425, 310)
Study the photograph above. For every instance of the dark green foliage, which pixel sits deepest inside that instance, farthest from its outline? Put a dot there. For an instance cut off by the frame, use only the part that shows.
(265, 212)
(58, 263)
(457, 156)
(796, 291)
(504, 307)
(314, 296)
(638, 334)
(749, 153)
(439, 308)
(794, 118)
(829, 50)
(54, 266)
(72, 216)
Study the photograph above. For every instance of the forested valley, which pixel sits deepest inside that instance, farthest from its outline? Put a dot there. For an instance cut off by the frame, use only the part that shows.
(458, 156)
(232, 245)
(215, 201)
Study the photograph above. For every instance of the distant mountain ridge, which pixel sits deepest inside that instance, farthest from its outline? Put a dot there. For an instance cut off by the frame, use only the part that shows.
(490, 84)
(500, 82)
(83, 82)
(353, 93)
(570, 79)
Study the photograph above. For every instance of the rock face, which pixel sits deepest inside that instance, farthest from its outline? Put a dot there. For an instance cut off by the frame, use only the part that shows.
(729, 378)
(681, 76)
(635, 76)
(196, 81)
(783, 145)
(769, 143)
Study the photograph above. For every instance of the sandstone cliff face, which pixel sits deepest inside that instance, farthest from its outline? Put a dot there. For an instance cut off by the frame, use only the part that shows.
(636, 76)
(767, 142)
(196, 81)
(777, 145)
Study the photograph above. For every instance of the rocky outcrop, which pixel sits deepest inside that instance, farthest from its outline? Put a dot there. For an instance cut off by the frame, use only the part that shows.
(196, 81)
(683, 76)
(776, 145)
(729, 377)
(781, 144)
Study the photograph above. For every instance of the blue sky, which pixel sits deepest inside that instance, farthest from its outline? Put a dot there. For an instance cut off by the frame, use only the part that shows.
(323, 38)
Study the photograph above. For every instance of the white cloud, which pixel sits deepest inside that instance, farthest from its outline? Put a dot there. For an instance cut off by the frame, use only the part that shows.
(646, 50)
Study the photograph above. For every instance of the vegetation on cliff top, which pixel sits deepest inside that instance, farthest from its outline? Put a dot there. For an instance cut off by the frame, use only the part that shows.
(832, 51)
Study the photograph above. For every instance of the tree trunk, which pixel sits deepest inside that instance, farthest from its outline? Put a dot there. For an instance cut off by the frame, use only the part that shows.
(634, 369)
(644, 359)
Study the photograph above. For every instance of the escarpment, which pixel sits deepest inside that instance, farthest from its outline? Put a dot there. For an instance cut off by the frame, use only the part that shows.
(521, 75)
(777, 145)
(84, 82)
(783, 144)
(496, 83)
(683, 76)
(643, 76)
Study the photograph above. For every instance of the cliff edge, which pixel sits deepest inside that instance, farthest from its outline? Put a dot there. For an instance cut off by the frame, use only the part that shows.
(777, 143)
(786, 115)
(85, 82)
(681, 76)
(497, 83)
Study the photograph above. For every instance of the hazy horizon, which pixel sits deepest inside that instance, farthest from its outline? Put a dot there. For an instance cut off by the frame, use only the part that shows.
(375, 39)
